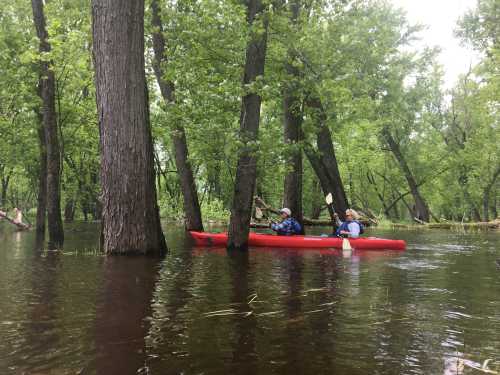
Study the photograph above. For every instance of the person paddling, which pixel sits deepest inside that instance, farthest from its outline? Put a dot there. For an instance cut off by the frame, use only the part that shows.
(351, 227)
(288, 226)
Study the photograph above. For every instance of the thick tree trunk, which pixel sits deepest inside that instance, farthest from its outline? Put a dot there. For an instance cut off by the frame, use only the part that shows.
(178, 134)
(246, 169)
(324, 161)
(41, 207)
(56, 233)
(421, 210)
(130, 216)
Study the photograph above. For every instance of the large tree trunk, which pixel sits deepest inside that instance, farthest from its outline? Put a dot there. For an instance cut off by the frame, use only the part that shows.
(178, 134)
(421, 210)
(130, 216)
(56, 233)
(324, 161)
(246, 169)
(41, 207)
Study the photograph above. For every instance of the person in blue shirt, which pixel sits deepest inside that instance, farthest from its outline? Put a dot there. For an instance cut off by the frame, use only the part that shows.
(288, 226)
(351, 227)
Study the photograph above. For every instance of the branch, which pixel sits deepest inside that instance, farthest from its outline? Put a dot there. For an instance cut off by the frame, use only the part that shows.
(17, 221)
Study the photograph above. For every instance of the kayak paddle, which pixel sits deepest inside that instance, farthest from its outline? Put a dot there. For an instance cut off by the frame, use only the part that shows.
(346, 245)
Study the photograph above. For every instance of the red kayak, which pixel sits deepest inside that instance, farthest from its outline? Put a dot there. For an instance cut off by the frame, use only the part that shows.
(310, 242)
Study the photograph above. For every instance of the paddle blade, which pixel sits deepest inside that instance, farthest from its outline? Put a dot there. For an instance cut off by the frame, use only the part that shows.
(346, 245)
(258, 213)
(329, 198)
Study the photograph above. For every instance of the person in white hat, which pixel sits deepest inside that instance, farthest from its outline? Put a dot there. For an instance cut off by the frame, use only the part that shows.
(288, 225)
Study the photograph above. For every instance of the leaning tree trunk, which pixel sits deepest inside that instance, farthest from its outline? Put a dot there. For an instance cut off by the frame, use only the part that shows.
(41, 207)
(324, 161)
(56, 233)
(178, 135)
(130, 214)
(246, 169)
(421, 209)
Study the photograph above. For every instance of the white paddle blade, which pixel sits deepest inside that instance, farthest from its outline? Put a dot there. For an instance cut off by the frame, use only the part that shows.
(346, 245)
(258, 213)
(329, 198)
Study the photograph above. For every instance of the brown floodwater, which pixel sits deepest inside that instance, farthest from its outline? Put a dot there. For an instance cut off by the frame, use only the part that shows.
(434, 309)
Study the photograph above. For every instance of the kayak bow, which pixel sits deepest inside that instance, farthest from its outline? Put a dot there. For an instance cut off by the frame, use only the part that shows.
(311, 242)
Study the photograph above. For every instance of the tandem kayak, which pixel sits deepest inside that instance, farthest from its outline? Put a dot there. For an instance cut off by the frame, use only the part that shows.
(310, 242)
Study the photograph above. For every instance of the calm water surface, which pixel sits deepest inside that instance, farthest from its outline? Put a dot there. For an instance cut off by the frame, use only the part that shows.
(434, 309)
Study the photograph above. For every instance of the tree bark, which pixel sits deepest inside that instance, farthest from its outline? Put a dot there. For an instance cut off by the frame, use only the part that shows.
(421, 210)
(192, 209)
(130, 213)
(41, 207)
(246, 169)
(55, 225)
(324, 161)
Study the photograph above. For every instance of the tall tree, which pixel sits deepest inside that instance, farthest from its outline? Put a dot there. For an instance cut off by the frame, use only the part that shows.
(323, 159)
(292, 123)
(246, 170)
(56, 233)
(178, 134)
(130, 214)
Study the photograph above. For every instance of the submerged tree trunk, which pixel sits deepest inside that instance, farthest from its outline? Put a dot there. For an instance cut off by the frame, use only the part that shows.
(41, 207)
(130, 216)
(56, 233)
(178, 134)
(421, 210)
(246, 169)
(324, 161)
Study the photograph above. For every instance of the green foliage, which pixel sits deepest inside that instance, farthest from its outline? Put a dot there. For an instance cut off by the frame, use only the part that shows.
(355, 56)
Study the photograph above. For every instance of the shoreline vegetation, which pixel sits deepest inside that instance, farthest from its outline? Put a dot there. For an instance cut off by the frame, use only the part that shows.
(220, 219)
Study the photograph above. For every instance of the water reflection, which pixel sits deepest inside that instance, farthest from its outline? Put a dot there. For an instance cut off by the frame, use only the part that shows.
(123, 315)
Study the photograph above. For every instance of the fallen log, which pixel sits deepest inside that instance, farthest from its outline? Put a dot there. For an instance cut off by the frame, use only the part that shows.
(17, 221)
(495, 224)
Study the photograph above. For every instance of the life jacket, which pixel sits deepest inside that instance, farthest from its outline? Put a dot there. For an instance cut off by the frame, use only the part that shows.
(345, 226)
(297, 228)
